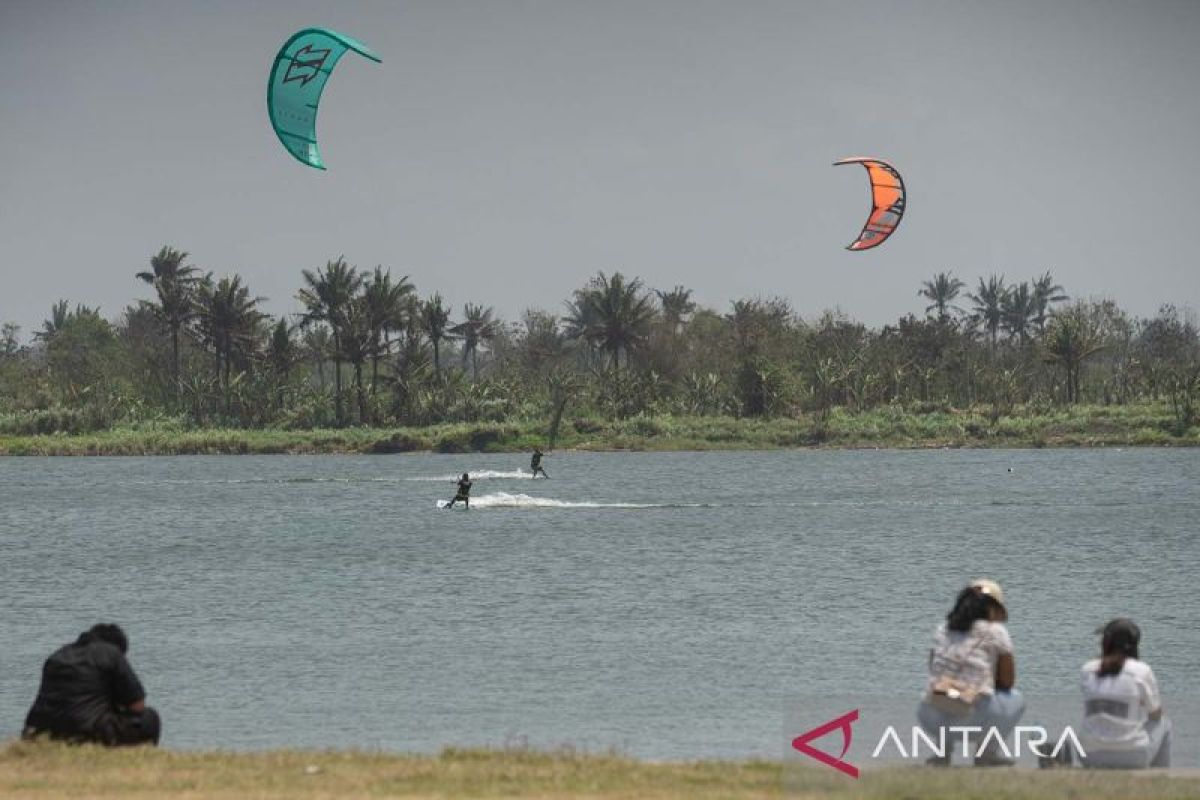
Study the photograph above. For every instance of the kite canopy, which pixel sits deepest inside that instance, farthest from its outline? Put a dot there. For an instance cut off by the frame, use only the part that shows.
(298, 75)
(887, 202)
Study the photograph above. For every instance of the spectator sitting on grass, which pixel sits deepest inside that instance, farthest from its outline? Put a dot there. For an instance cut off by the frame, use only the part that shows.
(971, 674)
(89, 693)
(1123, 722)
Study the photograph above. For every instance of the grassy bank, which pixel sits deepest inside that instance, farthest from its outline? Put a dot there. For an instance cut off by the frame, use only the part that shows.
(53, 772)
(1079, 426)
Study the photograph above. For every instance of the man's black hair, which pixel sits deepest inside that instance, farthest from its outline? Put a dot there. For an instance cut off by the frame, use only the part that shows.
(107, 632)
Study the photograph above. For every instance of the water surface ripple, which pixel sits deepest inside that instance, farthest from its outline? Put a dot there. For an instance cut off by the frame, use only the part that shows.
(667, 605)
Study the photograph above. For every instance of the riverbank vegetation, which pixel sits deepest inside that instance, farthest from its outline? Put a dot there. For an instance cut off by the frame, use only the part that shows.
(1077, 426)
(45, 771)
(369, 365)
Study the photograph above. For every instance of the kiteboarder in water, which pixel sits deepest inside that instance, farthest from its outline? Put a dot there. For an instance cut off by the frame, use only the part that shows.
(464, 492)
(535, 464)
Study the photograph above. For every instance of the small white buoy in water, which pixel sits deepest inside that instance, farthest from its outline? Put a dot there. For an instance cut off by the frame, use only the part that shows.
(312, 769)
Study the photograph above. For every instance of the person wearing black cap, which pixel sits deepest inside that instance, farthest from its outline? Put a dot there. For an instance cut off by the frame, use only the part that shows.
(1123, 723)
(89, 693)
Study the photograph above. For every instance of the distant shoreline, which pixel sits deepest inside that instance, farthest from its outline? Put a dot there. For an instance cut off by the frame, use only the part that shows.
(1147, 425)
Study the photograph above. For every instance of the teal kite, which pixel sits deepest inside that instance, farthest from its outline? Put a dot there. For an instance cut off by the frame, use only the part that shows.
(298, 76)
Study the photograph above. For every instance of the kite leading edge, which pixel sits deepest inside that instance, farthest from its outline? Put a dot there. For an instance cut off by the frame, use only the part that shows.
(887, 202)
(298, 76)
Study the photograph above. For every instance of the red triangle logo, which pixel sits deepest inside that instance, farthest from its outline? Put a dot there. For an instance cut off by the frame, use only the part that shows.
(843, 724)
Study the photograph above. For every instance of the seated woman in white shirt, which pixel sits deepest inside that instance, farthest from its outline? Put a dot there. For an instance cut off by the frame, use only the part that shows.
(972, 672)
(1123, 723)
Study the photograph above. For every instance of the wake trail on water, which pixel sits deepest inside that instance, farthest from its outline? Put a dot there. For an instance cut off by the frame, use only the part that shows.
(482, 475)
(517, 500)
(506, 500)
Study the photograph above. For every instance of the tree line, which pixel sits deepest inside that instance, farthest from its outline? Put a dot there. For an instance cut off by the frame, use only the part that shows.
(368, 349)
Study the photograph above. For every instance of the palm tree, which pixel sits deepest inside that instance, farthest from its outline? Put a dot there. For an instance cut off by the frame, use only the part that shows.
(86, 312)
(1071, 338)
(318, 344)
(359, 344)
(327, 297)
(229, 322)
(281, 350)
(579, 321)
(941, 293)
(435, 323)
(282, 356)
(612, 314)
(477, 326)
(410, 372)
(1045, 292)
(387, 306)
(78, 353)
(540, 340)
(60, 315)
(175, 284)
(1017, 311)
(677, 306)
(989, 304)
(755, 321)
(9, 344)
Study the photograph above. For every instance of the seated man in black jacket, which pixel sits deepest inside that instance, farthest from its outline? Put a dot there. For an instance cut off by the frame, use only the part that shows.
(89, 693)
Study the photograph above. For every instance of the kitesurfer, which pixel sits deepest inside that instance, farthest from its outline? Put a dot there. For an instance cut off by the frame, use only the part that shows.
(535, 464)
(464, 492)
(89, 693)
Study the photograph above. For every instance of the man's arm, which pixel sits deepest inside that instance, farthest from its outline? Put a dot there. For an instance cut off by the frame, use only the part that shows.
(127, 689)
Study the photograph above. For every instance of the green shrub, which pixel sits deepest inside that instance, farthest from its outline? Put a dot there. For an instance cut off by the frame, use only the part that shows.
(1148, 436)
(399, 442)
(314, 411)
(977, 429)
(588, 426)
(453, 442)
(645, 426)
(488, 437)
(930, 407)
(70, 421)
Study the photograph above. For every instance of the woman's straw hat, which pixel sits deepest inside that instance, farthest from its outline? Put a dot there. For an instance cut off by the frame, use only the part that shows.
(988, 587)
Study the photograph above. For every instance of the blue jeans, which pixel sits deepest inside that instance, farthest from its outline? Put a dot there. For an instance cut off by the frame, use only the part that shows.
(1157, 753)
(1001, 711)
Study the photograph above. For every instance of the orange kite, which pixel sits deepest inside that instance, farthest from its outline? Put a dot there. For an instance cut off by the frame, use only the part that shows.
(887, 202)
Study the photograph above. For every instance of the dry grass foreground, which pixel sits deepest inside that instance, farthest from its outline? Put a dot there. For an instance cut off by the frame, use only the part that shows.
(52, 771)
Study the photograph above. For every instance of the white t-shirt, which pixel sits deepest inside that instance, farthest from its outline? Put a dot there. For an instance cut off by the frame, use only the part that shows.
(970, 657)
(1117, 707)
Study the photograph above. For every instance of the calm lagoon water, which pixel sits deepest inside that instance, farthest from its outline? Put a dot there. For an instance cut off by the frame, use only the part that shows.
(667, 605)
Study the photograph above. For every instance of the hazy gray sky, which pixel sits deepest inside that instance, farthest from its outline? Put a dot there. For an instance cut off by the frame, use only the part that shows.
(503, 152)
